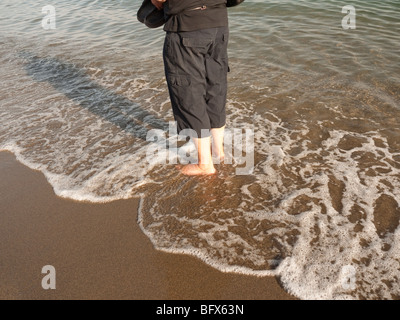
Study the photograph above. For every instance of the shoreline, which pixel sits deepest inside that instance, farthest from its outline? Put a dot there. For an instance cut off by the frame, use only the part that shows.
(98, 251)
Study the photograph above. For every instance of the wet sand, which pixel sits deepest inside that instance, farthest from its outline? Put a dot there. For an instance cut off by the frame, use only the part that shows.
(98, 250)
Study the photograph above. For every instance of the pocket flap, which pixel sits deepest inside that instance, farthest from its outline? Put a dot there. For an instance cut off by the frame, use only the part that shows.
(196, 42)
(180, 80)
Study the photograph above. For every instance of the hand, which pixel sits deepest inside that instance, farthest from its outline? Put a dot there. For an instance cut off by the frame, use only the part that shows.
(158, 3)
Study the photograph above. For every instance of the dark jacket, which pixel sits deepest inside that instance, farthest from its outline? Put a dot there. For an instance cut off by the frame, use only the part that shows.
(181, 16)
(172, 7)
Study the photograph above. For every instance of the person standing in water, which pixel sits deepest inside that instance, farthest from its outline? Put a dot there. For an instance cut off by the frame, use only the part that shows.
(196, 67)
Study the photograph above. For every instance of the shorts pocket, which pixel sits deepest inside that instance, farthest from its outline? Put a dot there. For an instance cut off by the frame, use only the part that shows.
(196, 42)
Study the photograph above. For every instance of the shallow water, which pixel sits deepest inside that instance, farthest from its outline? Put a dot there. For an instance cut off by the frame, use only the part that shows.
(320, 209)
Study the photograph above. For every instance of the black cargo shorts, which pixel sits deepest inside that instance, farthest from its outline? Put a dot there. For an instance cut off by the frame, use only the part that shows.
(196, 67)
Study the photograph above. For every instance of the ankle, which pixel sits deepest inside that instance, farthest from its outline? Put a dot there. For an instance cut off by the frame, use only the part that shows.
(206, 166)
(217, 152)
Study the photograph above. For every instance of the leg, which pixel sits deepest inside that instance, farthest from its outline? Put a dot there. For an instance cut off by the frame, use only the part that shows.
(217, 70)
(218, 143)
(205, 164)
(185, 68)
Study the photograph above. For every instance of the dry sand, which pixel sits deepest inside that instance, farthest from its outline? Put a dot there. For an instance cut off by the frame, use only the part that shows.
(98, 250)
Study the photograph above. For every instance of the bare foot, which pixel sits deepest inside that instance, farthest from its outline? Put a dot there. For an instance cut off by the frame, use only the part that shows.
(195, 170)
